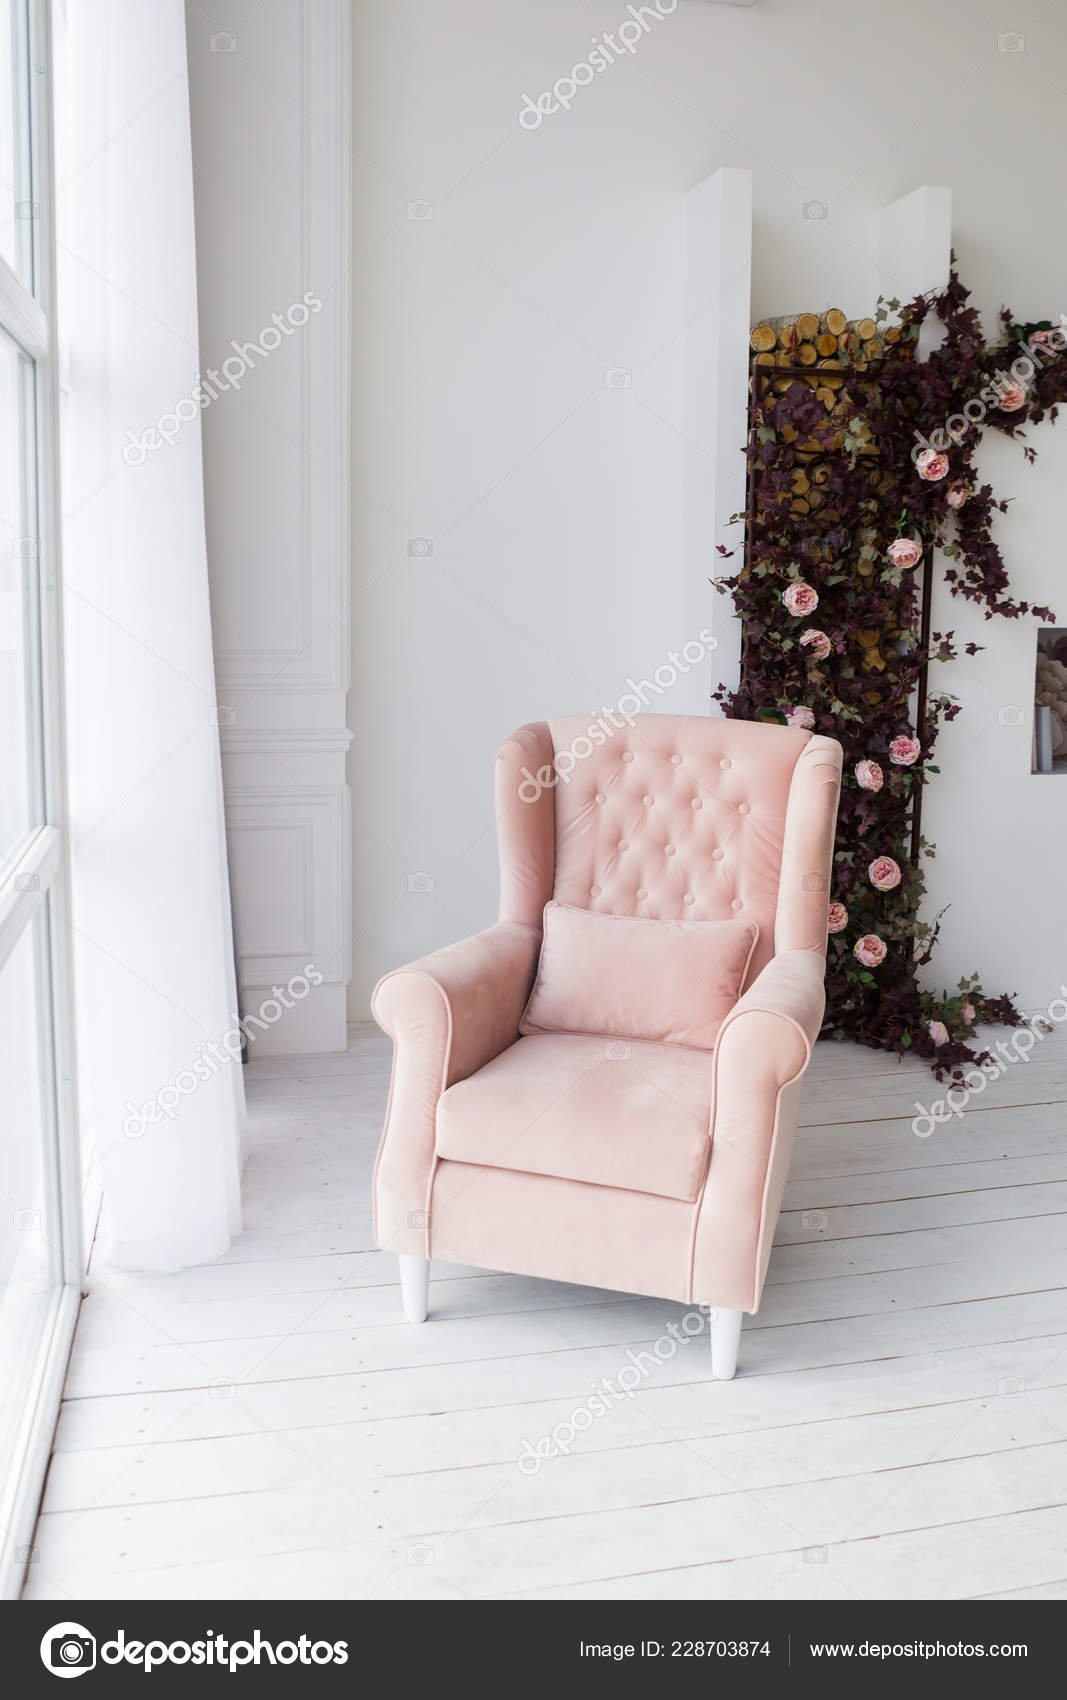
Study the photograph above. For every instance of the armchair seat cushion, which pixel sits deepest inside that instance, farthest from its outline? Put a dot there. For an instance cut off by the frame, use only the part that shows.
(612, 1113)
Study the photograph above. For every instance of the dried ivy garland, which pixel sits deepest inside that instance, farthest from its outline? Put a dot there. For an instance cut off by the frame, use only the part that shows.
(833, 636)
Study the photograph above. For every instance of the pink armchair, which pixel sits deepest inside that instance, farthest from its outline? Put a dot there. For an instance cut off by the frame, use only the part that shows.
(647, 1167)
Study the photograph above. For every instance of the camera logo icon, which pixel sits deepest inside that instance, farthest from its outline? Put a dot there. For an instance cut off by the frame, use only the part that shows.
(68, 1649)
(816, 210)
(1011, 714)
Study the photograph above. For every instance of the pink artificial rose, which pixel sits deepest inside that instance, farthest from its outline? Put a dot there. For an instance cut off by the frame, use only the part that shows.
(956, 494)
(1042, 339)
(801, 598)
(905, 552)
(903, 752)
(868, 776)
(1011, 396)
(968, 1012)
(931, 465)
(884, 873)
(817, 642)
(938, 1032)
(801, 716)
(836, 918)
(870, 950)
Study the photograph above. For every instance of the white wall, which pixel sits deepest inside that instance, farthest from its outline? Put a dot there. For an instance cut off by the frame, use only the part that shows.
(557, 505)
(997, 827)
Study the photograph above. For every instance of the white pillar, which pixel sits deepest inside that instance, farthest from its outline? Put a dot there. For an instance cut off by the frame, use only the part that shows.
(915, 250)
(718, 315)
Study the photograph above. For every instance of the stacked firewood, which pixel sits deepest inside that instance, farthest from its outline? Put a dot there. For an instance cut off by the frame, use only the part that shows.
(819, 350)
(826, 340)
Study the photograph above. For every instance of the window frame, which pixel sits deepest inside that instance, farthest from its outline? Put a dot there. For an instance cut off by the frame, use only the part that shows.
(35, 885)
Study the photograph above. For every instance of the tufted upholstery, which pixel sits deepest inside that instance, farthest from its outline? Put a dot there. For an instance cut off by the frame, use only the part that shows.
(668, 818)
(675, 818)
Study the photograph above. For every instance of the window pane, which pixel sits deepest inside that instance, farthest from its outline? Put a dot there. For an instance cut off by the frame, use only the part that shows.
(29, 1224)
(20, 756)
(16, 206)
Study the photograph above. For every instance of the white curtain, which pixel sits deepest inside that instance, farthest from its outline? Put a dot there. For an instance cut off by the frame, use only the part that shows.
(162, 1100)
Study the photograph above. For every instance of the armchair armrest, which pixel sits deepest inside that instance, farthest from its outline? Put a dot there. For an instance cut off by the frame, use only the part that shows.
(791, 987)
(448, 1014)
(761, 1052)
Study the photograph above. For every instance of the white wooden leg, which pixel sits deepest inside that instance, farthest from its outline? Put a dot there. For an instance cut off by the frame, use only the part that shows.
(725, 1335)
(415, 1285)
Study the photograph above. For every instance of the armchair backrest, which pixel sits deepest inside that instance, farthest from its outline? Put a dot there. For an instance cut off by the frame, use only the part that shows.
(671, 817)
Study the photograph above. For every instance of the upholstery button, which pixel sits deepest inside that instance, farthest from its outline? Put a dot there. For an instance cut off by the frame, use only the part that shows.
(689, 898)
(594, 891)
(627, 755)
(641, 892)
(696, 803)
(676, 761)
(647, 800)
(624, 844)
(737, 904)
(600, 797)
(668, 849)
(717, 855)
(743, 808)
(726, 764)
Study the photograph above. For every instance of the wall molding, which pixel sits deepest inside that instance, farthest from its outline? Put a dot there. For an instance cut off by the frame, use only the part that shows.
(293, 740)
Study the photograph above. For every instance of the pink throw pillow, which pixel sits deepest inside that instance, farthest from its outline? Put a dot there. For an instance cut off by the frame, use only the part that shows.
(630, 978)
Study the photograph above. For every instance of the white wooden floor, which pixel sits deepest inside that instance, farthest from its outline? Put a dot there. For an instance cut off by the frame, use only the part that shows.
(268, 1427)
